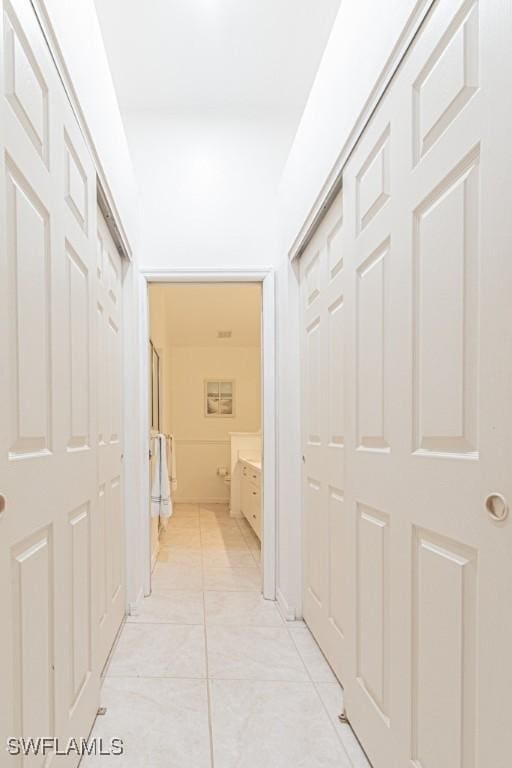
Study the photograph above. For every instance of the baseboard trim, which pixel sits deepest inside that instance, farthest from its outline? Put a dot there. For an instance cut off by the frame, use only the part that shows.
(133, 607)
(286, 610)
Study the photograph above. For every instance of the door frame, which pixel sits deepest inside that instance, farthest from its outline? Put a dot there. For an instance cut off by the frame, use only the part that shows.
(265, 277)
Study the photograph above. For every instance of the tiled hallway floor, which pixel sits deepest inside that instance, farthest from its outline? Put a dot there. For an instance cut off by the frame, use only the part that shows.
(208, 675)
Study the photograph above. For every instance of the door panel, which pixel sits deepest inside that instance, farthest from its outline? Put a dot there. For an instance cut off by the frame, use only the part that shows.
(81, 650)
(33, 691)
(27, 230)
(50, 664)
(427, 415)
(444, 589)
(78, 321)
(25, 85)
(323, 329)
(373, 607)
(372, 463)
(372, 397)
(109, 531)
(446, 242)
(74, 417)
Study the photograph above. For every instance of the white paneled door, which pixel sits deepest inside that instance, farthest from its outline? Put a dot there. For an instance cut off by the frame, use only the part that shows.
(57, 457)
(418, 547)
(323, 320)
(108, 559)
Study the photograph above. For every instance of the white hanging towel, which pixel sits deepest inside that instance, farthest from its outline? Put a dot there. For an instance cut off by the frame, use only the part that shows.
(161, 504)
(174, 480)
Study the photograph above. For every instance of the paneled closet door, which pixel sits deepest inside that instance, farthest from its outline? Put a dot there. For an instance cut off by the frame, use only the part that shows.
(108, 557)
(74, 413)
(48, 447)
(429, 279)
(326, 582)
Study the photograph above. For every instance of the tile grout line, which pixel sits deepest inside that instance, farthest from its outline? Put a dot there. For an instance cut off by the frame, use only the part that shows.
(190, 677)
(336, 730)
(290, 635)
(315, 686)
(104, 672)
(276, 681)
(208, 692)
(203, 592)
(220, 624)
(168, 623)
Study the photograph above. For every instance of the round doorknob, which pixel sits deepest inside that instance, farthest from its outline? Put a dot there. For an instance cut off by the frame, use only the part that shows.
(497, 506)
(2, 503)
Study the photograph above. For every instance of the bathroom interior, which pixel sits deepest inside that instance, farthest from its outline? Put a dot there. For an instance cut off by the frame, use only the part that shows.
(205, 435)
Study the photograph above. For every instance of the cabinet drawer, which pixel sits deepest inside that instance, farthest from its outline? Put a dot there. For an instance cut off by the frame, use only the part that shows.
(254, 510)
(253, 486)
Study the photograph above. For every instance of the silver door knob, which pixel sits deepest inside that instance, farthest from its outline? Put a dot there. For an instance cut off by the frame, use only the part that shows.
(497, 506)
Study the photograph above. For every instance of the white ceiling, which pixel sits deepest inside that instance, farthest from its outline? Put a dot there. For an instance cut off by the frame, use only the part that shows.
(215, 54)
(193, 313)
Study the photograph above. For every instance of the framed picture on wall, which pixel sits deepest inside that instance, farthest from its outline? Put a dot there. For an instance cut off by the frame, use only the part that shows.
(219, 400)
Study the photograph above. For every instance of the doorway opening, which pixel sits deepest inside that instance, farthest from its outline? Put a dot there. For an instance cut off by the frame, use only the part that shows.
(211, 432)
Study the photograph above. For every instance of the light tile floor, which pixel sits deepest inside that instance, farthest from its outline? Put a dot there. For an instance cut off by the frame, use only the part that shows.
(208, 675)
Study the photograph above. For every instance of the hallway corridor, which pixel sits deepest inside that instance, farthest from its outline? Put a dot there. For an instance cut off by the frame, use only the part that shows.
(208, 673)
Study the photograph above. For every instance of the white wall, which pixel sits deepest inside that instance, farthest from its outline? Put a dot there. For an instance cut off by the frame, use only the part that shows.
(208, 185)
(203, 443)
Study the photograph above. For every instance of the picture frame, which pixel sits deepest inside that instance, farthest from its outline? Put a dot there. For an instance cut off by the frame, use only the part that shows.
(219, 398)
